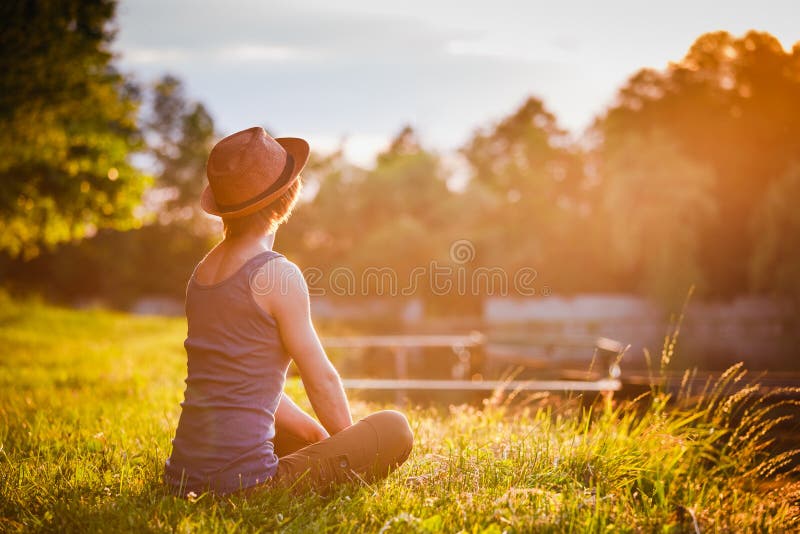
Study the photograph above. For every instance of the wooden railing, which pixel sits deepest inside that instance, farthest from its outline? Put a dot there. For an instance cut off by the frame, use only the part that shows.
(465, 347)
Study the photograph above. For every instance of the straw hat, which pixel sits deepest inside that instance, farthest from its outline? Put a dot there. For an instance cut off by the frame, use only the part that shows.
(249, 169)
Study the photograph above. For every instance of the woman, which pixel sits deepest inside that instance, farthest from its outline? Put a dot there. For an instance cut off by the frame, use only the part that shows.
(247, 309)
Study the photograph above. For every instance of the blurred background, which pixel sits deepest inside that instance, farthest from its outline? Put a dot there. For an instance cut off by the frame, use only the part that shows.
(619, 153)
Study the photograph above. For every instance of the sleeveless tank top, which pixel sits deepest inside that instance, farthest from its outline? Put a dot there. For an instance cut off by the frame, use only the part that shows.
(236, 368)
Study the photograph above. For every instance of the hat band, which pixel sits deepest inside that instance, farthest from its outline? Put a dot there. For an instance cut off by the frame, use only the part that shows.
(285, 176)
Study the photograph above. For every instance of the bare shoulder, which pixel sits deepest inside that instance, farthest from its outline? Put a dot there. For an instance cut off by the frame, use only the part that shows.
(279, 283)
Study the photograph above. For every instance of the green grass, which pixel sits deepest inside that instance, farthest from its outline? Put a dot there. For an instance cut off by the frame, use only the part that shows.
(89, 401)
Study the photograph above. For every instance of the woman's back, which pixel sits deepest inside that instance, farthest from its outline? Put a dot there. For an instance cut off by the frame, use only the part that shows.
(236, 370)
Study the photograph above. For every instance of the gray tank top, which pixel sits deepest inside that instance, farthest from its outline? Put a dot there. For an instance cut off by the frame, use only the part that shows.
(235, 374)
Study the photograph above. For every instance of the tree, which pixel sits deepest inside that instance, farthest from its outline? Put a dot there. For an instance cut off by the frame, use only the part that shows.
(158, 256)
(732, 103)
(389, 216)
(400, 201)
(181, 135)
(526, 178)
(775, 264)
(67, 126)
(655, 199)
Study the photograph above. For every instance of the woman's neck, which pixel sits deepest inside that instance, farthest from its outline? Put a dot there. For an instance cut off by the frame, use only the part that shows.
(250, 242)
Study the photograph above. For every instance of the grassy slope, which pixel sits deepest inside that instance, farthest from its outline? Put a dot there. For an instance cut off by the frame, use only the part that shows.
(89, 400)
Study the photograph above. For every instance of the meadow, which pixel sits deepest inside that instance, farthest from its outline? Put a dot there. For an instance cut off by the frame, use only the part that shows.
(89, 402)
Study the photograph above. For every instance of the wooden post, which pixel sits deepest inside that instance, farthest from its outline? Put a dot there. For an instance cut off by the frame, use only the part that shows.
(401, 370)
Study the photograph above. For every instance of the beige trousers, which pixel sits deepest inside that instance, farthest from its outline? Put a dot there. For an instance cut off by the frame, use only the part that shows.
(367, 451)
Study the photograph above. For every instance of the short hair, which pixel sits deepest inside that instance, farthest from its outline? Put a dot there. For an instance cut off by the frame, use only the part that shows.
(268, 218)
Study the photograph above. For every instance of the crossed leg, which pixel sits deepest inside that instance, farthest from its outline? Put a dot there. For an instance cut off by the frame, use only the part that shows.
(368, 450)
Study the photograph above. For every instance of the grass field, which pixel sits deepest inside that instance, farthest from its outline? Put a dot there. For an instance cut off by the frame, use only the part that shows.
(89, 401)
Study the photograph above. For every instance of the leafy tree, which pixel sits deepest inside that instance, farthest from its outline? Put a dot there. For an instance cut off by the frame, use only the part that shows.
(775, 264)
(158, 256)
(732, 103)
(386, 217)
(655, 199)
(526, 152)
(181, 134)
(323, 227)
(526, 179)
(67, 126)
(408, 181)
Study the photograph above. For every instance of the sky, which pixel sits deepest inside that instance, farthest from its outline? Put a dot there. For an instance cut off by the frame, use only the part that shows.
(352, 73)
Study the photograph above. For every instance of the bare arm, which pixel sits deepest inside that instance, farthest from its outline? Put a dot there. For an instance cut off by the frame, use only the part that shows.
(289, 417)
(287, 301)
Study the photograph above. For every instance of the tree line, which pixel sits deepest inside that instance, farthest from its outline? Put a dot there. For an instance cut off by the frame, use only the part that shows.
(690, 177)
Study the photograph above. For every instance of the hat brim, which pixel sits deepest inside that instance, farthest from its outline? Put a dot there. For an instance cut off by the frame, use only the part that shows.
(297, 148)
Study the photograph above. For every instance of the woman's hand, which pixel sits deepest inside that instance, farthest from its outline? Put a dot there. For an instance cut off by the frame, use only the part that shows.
(287, 301)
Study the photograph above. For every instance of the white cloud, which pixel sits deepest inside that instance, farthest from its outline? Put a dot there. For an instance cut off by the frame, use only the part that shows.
(261, 53)
(241, 53)
(492, 48)
(144, 56)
